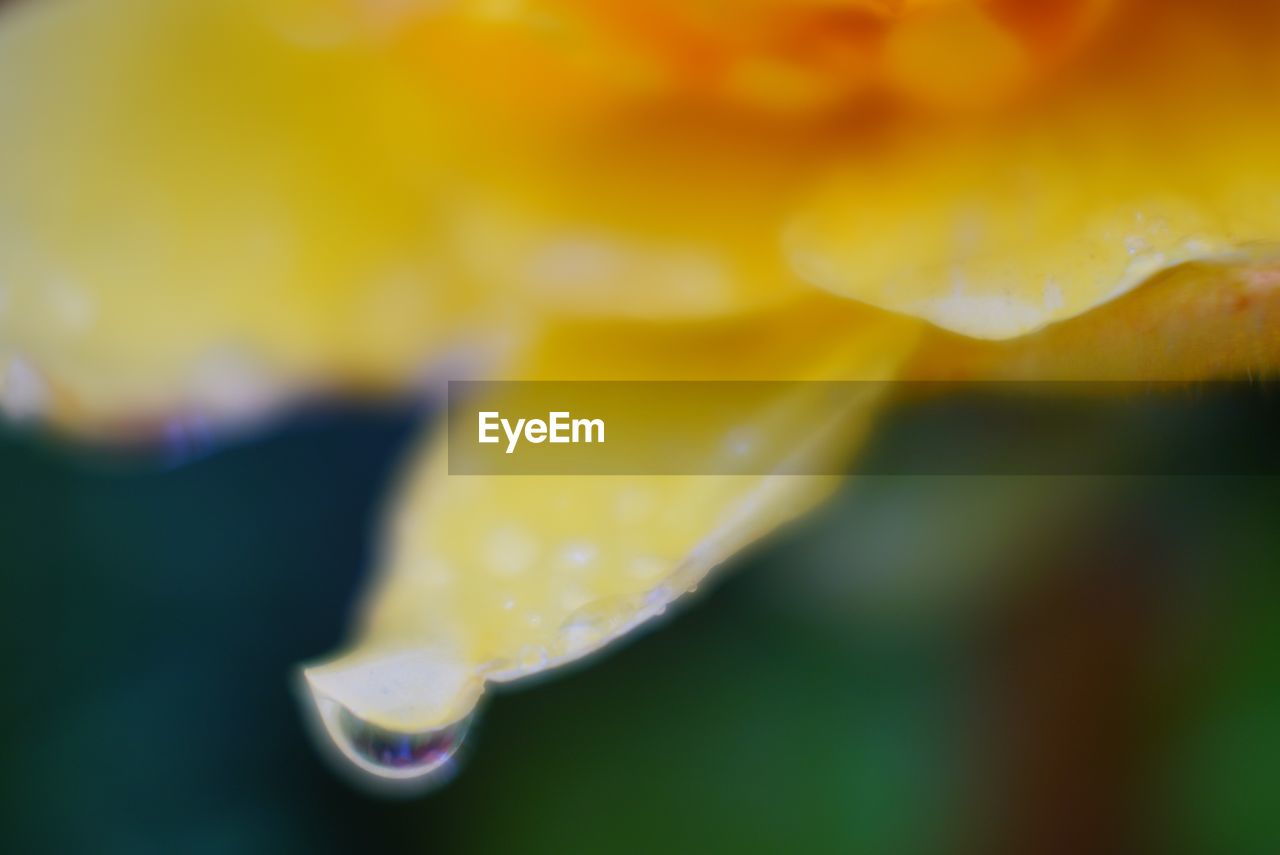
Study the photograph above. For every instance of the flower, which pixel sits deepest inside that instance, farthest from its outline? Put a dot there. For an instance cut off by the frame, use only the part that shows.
(212, 207)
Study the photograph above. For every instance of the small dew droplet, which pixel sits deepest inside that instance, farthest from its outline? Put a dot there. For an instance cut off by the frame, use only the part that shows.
(531, 657)
(578, 554)
(24, 394)
(526, 660)
(579, 637)
(391, 755)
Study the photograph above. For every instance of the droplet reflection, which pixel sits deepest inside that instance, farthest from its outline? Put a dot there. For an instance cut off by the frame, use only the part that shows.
(411, 752)
(391, 757)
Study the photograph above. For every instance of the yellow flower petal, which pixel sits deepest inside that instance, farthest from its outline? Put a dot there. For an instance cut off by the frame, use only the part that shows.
(790, 56)
(646, 216)
(1159, 149)
(196, 212)
(493, 578)
(1200, 321)
(571, 201)
(610, 157)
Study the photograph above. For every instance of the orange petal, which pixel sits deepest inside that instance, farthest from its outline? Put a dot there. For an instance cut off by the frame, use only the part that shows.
(1158, 151)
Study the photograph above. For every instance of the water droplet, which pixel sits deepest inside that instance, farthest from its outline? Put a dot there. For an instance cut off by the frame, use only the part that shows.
(23, 392)
(598, 621)
(657, 599)
(398, 716)
(528, 659)
(579, 554)
(601, 621)
(579, 637)
(392, 755)
(531, 657)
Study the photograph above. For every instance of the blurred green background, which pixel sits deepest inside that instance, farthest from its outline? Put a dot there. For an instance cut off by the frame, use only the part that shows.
(928, 665)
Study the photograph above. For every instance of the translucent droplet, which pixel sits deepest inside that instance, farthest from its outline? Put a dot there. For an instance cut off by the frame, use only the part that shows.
(24, 394)
(414, 753)
(578, 554)
(528, 659)
(582, 634)
(396, 716)
(601, 621)
(391, 756)
(531, 657)
(588, 624)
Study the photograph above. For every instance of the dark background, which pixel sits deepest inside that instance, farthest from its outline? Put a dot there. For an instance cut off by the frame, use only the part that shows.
(928, 665)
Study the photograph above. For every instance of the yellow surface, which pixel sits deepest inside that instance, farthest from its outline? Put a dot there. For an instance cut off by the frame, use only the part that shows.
(1159, 149)
(1201, 321)
(210, 205)
(505, 576)
(197, 213)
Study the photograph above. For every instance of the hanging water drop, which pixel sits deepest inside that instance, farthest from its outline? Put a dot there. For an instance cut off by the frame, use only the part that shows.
(398, 717)
(393, 755)
(388, 759)
(24, 395)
